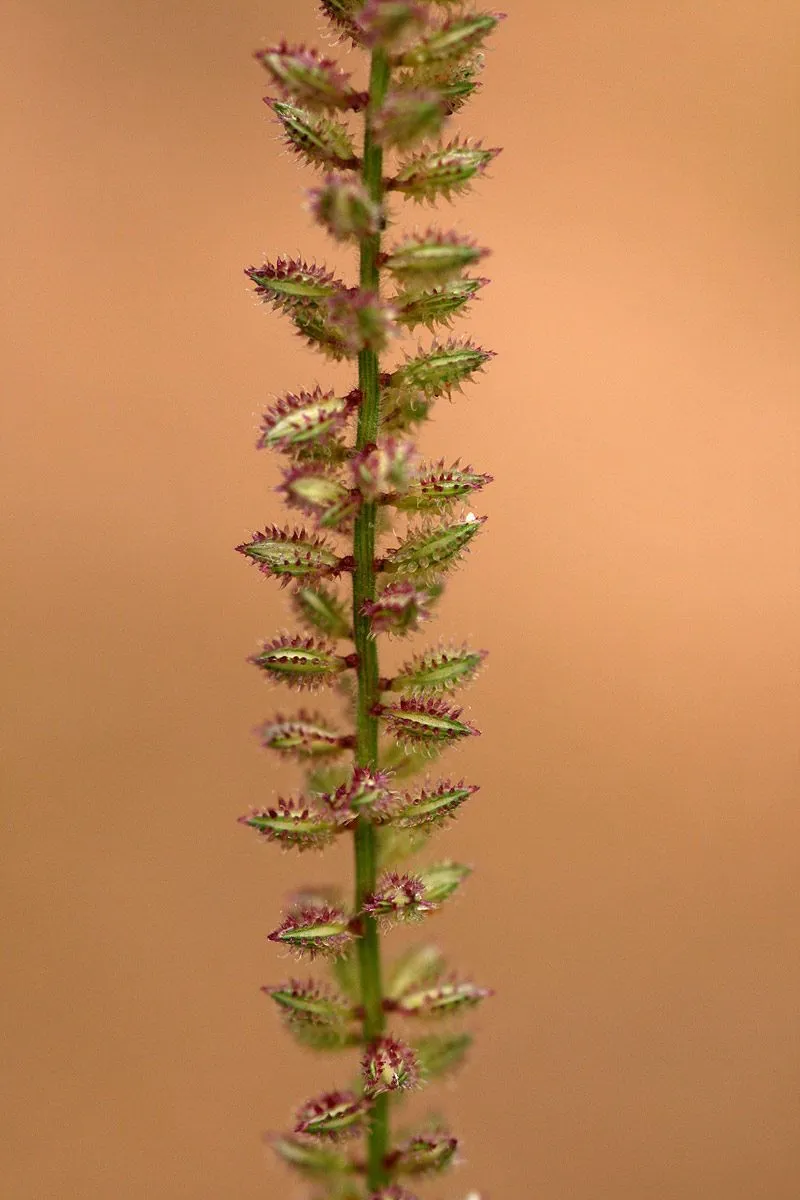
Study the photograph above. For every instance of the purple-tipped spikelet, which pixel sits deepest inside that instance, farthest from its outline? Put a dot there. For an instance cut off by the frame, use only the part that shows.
(367, 794)
(424, 1154)
(305, 76)
(399, 609)
(424, 724)
(442, 1000)
(295, 822)
(318, 492)
(306, 735)
(290, 554)
(344, 208)
(300, 662)
(457, 38)
(436, 488)
(433, 548)
(342, 15)
(440, 369)
(438, 305)
(389, 1065)
(288, 283)
(386, 22)
(315, 1016)
(434, 806)
(442, 173)
(398, 898)
(433, 258)
(305, 421)
(442, 670)
(321, 141)
(351, 468)
(380, 471)
(314, 930)
(333, 1115)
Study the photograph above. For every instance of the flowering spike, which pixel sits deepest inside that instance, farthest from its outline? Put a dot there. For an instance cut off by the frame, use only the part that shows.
(293, 822)
(350, 462)
(399, 898)
(305, 736)
(302, 662)
(290, 554)
(305, 76)
(436, 487)
(344, 208)
(321, 610)
(442, 1000)
(322, 141)
(433, 807)
(389, 1066)
(443, 172)
(437, 371)
(443, 879)
(423, 1154)
(437, 305)
(399, 609)
(434, 548)
(418, 967)
(459, 37)
(424, 260)
(421, 723)
(314, 930)
(333, 1115)
(442, 1054)
(441, 670)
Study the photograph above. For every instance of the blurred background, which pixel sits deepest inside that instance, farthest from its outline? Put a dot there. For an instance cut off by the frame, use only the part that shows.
(635, 903)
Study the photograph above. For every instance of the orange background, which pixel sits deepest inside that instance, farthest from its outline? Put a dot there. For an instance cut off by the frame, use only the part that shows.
(636, 837)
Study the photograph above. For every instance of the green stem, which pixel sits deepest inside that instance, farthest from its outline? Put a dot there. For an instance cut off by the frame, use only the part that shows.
(364, 589)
